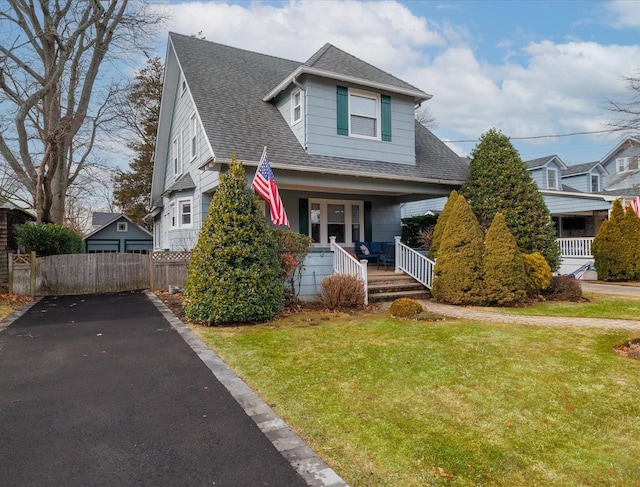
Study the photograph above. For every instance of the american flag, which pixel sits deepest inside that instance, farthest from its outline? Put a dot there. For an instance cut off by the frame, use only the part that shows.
(635, 204)
(264, 184)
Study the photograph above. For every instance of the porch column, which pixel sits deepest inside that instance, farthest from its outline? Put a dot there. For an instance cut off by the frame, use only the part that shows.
(398, 253)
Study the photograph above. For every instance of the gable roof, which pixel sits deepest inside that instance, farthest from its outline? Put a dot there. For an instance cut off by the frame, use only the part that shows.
(227, 85)
(628, 141)
(183, 183)
(543, 161)
(587, 167)
(115, 217)
(334, 63)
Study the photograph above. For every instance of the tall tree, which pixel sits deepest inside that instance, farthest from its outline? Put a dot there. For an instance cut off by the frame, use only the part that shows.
(142, 110)
(51, 54)
(627, 111)
(499, 182)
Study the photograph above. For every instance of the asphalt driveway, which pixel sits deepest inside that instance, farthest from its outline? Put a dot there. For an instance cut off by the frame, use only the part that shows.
(102, 391)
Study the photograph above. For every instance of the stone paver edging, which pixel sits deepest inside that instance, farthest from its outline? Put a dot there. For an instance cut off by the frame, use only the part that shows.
(310, 467)
(487, 314)
(8, 321)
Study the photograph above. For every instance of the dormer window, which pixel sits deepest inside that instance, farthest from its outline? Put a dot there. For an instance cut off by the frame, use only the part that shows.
(552, 178)
(363, 114)
(296, 107)
(595, 183)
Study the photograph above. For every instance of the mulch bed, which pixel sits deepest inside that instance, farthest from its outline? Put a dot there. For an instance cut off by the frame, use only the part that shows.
(630, 349)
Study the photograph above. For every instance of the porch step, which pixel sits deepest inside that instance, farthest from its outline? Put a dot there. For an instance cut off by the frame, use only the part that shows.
(384, 288)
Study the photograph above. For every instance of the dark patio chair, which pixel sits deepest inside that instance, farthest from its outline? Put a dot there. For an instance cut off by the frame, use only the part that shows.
(389, 258)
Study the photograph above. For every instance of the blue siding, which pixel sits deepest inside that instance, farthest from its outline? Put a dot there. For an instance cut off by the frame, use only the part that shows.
(572, 205)
(539, 177)
(317, 266)
(322, 137)
(109, 239)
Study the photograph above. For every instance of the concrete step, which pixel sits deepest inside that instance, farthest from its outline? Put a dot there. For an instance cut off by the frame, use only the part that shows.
(395, 286)
(392, 296)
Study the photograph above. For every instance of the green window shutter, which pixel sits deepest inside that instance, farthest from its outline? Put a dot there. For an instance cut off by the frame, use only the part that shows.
(368, 232)
(342, 109)
(385, 114)
(303, 216)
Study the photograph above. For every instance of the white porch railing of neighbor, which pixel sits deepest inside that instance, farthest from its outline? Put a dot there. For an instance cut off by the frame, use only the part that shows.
(575, 247)
(345, 263)
(414, 264)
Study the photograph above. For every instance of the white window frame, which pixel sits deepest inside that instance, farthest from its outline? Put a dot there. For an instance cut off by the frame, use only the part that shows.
(193, 140)
(554, 171)
(622, 164)
(324, 221)
(122, 227)
(176, 147)
(591, 181)
(180, 203)
(295, 106)
(378, 117)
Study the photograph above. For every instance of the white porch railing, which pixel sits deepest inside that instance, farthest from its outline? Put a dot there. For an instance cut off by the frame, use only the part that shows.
(575, 247)
(414, 264)
(345, 263)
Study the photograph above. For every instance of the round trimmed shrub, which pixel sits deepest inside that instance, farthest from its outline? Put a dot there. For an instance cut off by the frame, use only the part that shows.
(48, 239)
(564, 288)
(405, 308)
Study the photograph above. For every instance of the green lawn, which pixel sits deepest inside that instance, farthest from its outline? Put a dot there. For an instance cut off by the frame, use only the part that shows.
(411, 403)
(599, 306)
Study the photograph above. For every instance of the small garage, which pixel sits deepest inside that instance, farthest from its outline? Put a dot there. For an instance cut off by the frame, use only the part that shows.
(115, 232)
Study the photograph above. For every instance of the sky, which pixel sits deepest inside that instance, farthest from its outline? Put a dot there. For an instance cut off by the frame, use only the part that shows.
(527, 68)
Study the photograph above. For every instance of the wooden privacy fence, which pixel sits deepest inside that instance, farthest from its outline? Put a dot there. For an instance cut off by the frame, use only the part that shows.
(95, 273)
(168, 268)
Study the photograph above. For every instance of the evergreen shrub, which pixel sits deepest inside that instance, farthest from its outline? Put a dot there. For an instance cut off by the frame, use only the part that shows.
(564, 288)
(504, 278)
(609, 248)
(458, 269)
(47, 239)
(234, 274)
(538, 272)
(441, 223)
(405, 308)
(341, 291)
(294, 248)
(631, 233)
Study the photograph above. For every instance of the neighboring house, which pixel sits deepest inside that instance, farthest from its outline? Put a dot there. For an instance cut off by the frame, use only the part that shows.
(115, 232)
(10, 215)
(341, 134)
(623, 170)
(573, 195)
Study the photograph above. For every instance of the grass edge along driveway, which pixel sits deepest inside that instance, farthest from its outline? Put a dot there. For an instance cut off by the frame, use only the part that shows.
(388, 402)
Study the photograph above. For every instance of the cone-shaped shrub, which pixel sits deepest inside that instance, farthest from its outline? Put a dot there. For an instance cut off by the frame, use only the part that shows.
(609, 248)
(631, 233)
(499, 182)
(458, 270)
(504, 278)
(234, 274)
(443, 217)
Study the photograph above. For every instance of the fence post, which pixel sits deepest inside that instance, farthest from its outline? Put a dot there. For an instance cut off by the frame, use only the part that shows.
(151, 270)
(398, 253)
(10, 270)
(363, 272)
(32, 275)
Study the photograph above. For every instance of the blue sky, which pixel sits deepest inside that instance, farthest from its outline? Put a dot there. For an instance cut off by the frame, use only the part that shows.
(528, 68)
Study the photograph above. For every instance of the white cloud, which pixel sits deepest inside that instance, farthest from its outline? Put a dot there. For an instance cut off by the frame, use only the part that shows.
(623, 14)
(552, 88)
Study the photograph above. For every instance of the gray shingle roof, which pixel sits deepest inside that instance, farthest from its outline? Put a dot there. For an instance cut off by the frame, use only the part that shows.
(575, 169)
(539, 162)
(228, 84)
(183, 183)
(330, 58)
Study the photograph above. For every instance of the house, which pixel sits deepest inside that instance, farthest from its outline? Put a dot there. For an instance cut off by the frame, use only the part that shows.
(10, 215)
(341, 135)
(115, 232)
(623, 170)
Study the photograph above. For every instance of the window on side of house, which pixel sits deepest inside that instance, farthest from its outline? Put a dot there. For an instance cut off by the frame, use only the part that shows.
(194, 136)
(339, 218)
(185, 213)
(296, 107)
(122, 227)
(552, 178)
(622, 164)
(364, 114)
(595, 183)
(177, 157)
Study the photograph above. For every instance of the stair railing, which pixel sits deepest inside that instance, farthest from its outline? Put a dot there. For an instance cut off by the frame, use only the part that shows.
(414, 264)
(345, 263)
